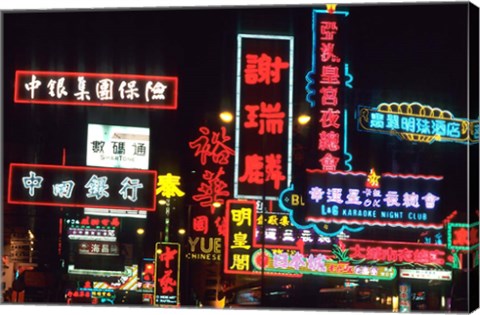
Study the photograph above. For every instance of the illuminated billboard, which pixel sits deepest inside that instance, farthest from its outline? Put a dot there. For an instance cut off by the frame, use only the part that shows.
(77, 186)
(95, 89)
(263, 119)
(167, 274)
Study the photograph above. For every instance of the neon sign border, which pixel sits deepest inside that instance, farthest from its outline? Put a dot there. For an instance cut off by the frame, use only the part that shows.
(81, 168)
(172, 106)
(240, 37)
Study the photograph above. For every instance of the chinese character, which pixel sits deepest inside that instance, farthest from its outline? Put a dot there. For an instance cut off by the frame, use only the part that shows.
(297, 261)
(98, 146)
(240, 241)
(118, 147)
(439, 127)
(423, 126)
(280, 260)
(253, 169)
(212, 190)
(410, 200)
(393, 122)
(221, 225)
(82, 94)
(262, 69)
(33, 85)
(430, 200)
(288, 236)
(156, 90)
(130, 92)
(330, 118)
(377, 120)
(316, 263)
(316, 194)
(329, 96)
(139, 149)
(168, 256)
(273, 169)
(97, 187)
(327, 53)
(32, 182)
(408, 123)
(329, 162)
(453, 130)
(130, 184)
(60, 90)
(330, 75)
(391, 199)
(328, 30)
(104, 89)
(241, 262)
(334, 195)
(271, 118)
(307, 236)
(271, 234)
(353, 197)
(329, 141)
(214, 147)
(167, 186)
(200, 224)
(64, 189)
(239, 216)
(167, 282)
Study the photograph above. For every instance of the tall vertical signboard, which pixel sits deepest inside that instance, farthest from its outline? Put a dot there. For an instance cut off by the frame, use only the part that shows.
(167, 274)
(263, 143)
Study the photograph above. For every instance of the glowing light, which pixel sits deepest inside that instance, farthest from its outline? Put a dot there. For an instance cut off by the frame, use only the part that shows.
(216, 204)
(162, 202)
(181, 231)
(226, 117)
(304, 119)
(140, 231)
(372, 179)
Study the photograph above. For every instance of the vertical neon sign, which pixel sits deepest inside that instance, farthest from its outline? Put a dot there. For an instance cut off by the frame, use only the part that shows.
(167, 274)
(325, 85)
(263, 116)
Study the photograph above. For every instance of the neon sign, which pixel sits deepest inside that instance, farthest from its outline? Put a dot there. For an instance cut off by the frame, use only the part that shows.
(96, 89)
(263, 116)
(294, 262)
(98, 248)
(75, 186)
(243, 253)
(325, 81)
(418, 123)
(167, 274)
(462, 236)
(129, 281)
(358, 198)
(392, 253)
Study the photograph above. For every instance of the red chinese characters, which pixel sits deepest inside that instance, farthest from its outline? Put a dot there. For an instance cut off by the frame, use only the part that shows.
(329, 80)
(263, 69)
(167, 274)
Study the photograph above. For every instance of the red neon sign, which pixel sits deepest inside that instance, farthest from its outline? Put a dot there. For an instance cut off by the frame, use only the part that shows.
(396, 252)
(96, 89)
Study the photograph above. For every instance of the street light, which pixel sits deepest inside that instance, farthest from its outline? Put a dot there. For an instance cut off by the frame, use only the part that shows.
(140, 231)
(303, 119)
(226, 116)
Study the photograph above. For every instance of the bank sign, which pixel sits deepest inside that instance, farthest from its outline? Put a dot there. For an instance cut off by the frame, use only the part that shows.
(360, 198)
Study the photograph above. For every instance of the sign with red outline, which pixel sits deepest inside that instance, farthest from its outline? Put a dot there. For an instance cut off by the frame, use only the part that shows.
(167, 274)
(96, 89)
(80, 186)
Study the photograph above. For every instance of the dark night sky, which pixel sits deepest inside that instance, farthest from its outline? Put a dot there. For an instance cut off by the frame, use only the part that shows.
(397, 53)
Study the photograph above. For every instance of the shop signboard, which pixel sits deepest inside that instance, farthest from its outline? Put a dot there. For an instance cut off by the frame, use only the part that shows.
(95, 89)
(263, 137)
(167, 274)
(441, 275)
(78, 186)
(404, 298)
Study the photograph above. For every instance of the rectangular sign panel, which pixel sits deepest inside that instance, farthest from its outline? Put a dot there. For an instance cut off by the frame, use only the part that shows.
(442, 275)
(76, 186)
(167, 274)
(263, 116)
(96, 89)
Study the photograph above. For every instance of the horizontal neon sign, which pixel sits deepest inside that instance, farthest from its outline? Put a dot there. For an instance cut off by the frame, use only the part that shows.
(396, 253)
(360, 198)
(96, 89)
(417, 123)
(319, 265)
(78, 186)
